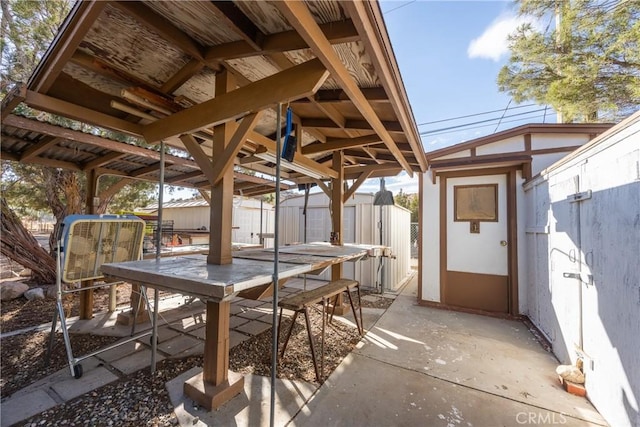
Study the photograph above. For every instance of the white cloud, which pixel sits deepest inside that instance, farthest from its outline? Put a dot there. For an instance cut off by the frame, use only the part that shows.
(492, 44)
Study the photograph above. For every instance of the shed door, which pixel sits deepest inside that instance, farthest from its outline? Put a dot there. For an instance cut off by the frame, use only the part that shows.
(477, 266)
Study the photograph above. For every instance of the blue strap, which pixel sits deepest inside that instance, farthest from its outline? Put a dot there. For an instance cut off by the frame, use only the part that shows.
(288, 130)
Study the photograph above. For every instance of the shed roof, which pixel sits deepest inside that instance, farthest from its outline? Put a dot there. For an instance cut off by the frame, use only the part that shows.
(149, 69)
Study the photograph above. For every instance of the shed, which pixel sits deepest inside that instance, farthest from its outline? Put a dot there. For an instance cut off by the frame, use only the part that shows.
(251, 217)
(472, 221)
(581, 279)
(361, 224)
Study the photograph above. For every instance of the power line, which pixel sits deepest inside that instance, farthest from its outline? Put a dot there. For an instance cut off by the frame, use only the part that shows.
(424, 133)
(398, 7)
(473, 115)
(482, 126)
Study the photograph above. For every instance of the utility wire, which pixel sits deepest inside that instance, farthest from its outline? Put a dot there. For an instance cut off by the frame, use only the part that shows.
(481, 126)
(473, 115)
(424, 133)
(398, 7)
(503, 113)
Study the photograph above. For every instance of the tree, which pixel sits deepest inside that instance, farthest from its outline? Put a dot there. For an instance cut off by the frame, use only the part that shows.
(28, 27)
(408, 201)
(587, 67)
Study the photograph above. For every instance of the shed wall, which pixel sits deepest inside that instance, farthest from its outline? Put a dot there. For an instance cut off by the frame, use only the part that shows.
(361, 226)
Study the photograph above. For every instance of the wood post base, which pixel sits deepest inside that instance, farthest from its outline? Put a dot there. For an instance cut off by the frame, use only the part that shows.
(126, 318)
(211, 396)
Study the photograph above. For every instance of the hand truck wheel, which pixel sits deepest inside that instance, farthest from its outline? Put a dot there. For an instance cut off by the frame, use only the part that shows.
(77, 371)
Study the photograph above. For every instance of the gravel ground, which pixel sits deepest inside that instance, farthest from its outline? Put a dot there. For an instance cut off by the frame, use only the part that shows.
(140, 399)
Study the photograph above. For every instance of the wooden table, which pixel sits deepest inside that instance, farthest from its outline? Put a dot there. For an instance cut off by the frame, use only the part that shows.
(216, 285)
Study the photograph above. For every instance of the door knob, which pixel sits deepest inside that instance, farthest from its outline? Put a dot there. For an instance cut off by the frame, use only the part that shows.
(503, 243)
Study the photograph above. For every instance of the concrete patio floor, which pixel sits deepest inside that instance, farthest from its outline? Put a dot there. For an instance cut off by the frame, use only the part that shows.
(415, 366)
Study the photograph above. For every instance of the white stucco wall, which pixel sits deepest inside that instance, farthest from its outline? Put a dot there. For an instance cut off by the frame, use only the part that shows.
(430, 262)
(599, 238)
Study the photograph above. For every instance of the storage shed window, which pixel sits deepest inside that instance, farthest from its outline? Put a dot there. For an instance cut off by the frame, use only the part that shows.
(476, 202)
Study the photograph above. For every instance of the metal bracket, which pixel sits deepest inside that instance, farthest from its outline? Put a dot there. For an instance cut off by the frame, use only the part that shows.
(585, 278)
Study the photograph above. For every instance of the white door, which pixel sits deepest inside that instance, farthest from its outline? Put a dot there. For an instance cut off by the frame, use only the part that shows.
(477, 266)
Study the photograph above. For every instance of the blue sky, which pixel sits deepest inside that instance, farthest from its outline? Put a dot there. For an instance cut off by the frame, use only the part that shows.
(449, 54)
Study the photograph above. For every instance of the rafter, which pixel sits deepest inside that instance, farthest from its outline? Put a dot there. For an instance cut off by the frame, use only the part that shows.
(145, 170)
(82, 17)
(184, 177)
(388, 69)
(336, 32)
(76, 112)
(96, 141)
(301, 19)
(373, 94)
(35, 150)
(301, 80)
(235, 19)
(341, 144)
(389, 126)
(102, 160)
(13, 98)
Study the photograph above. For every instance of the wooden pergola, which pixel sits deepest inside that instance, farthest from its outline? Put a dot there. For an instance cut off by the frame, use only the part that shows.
(206, 77)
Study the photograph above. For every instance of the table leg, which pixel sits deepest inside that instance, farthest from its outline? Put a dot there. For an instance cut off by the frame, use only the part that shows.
(215, 385)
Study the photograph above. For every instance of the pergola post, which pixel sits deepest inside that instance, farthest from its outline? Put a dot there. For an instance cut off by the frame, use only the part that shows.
(337, 213)
(216, 384)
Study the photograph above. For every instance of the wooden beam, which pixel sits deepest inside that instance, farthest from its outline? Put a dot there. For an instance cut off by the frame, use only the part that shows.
(301, 80)
(205, 195)
(145, 170)
(270, 145)
(389, 126)
(189, 70)
(333, 96)
(161, 26)
(221, 212)
(102, 160)
(233, 17)
(96, 141)
(378, 45)
(326, 190)
(98, 66)
(76, 112)
(225, 161)
(35, 150)
(361, 179)
(336, 32)
(184, 177)
(77, 25)
(13, 98)
(301, 19)
(339, 144)
(198, 154)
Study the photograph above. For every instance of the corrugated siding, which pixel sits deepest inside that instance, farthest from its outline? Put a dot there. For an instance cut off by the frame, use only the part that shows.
(396, 233)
